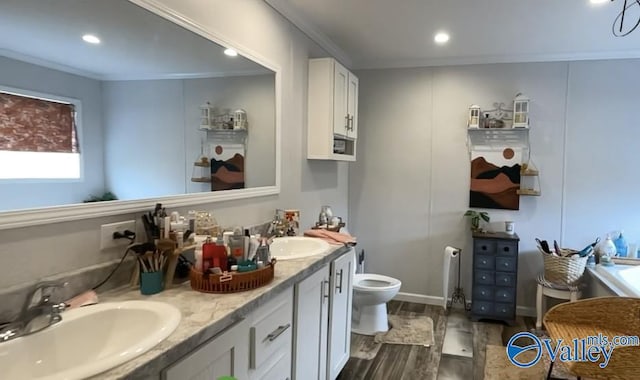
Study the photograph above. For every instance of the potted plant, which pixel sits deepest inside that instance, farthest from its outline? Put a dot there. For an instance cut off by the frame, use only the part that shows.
(475, 217)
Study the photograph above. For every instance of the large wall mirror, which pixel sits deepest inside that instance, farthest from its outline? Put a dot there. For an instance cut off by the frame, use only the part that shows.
(107, 98)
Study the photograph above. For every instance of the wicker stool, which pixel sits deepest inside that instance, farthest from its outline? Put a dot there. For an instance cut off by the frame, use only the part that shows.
(546, 288)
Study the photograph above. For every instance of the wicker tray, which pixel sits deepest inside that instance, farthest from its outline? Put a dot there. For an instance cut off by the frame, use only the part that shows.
(563, 270)
(239, 281)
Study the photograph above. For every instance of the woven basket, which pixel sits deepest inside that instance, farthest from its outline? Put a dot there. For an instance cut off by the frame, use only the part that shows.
(239, 282)
(563, 270)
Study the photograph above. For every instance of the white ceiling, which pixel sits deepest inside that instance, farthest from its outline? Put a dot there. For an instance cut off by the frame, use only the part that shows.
(387, 33)
(136, 44)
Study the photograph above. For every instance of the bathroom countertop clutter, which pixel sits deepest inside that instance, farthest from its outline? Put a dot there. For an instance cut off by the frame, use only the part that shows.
(206, 315)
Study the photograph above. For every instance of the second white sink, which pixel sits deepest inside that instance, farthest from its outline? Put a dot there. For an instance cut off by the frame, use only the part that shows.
(89, 340)
(297, 247)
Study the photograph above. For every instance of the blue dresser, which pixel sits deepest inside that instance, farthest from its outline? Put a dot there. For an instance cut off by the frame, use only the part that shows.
(495, 276)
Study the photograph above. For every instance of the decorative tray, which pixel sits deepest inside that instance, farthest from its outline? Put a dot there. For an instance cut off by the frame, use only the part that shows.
(231, 282)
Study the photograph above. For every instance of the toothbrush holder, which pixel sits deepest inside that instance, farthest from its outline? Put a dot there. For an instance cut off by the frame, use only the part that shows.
(151, 283)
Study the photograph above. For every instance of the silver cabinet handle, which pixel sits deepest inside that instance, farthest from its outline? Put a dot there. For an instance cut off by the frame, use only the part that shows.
(339, 287)
(277, 332)
(325, 286)
(350, 122)
(346, 120)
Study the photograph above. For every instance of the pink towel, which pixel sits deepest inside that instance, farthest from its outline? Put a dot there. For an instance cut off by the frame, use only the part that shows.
(331, 237)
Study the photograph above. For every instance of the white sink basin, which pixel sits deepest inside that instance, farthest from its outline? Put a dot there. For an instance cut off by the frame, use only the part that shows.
(297, 247)
(89, 340)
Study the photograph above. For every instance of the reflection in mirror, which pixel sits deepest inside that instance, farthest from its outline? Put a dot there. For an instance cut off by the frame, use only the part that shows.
(104, 98)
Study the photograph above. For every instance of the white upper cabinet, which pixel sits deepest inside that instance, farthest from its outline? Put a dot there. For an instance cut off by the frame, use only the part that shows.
(332, 111)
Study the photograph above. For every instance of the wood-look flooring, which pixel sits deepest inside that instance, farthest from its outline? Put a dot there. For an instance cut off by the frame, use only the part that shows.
(403, 362)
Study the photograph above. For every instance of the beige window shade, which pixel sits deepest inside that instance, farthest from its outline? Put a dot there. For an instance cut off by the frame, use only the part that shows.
(30, 124)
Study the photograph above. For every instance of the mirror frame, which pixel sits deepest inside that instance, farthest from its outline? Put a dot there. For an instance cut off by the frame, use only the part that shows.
(55, 214)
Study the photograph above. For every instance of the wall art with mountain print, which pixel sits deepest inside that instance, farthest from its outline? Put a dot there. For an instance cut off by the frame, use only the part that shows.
(495, 180)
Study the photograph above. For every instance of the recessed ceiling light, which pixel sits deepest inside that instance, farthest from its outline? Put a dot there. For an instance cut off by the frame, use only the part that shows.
(441, 38)
(598, 2)
(230, 52)
(91, 39)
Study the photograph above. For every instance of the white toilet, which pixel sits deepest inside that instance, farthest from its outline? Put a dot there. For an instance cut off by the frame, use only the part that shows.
(371, 292)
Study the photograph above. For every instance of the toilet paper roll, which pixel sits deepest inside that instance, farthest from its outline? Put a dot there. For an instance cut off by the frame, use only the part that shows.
(450, 255)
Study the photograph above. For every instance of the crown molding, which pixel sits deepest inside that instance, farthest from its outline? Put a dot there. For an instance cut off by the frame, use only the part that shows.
(307, 27)
(522, 58)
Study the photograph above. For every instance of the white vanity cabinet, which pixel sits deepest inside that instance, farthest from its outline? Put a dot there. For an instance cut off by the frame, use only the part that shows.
(270, 337)
(332, 111)
(322, 320)
(258, 347)
(227, 354)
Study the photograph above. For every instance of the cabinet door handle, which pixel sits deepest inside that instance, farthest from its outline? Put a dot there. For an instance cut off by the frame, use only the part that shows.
(339, 287)
(351, 123)
(325, 290)
(346, 120)
(277, 332)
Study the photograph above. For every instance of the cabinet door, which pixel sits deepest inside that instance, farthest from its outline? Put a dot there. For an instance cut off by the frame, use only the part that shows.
(340, 94)
(340, 313)
(352, 106)
(311, 323)
(225, 355)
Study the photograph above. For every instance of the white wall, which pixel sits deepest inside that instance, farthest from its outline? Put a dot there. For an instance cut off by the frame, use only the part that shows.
(144, 138)
(410, 185)
(30, 253)
(26, 76)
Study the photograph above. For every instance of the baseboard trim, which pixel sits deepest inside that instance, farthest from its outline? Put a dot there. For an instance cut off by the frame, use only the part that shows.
(419, 298)
(525, 311)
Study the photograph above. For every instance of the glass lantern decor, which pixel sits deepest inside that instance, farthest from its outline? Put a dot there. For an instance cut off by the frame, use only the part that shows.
(206, 116)
(521, 111)
(239, 119)
(474, 117)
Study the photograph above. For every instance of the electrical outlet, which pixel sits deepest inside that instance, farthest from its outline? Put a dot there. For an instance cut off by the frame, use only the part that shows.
(106, 234)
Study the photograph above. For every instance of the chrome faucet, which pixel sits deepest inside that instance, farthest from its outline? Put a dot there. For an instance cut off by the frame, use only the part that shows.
(277, 227)
(36, 316)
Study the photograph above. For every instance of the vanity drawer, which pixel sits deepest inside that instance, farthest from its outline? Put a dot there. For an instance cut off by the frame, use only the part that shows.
(506, 264)
(483, 293)
(484, 277)
(505, 279)
(484, 247)
(505, 295)
(507, 248)
(482, 307)
(484, 262)
(271, 328)
(503, 310)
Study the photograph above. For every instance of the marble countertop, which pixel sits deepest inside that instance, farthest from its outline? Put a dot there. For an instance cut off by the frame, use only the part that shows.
(205, 315)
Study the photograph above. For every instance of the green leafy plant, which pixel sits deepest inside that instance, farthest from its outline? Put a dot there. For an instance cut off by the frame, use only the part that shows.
(475, 217)
(108, 196)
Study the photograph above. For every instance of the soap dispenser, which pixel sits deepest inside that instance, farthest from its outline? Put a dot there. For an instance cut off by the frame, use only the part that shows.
(621, 245)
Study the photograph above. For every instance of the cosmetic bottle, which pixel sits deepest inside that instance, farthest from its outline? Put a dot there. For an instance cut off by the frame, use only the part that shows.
(213, 256)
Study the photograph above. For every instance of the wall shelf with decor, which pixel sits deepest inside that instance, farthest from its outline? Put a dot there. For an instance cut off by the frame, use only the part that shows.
(500, 152)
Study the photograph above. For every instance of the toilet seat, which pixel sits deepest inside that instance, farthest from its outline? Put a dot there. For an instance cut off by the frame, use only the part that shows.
(374, 282)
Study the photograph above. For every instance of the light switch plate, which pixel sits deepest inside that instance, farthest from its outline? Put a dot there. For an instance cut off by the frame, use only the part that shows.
(106, 234)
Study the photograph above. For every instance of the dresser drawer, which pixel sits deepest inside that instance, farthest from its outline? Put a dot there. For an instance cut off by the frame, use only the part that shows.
(503, 310)
(507, 248)
(482, 307)
(483, 277)
(505, 279)
(484, 247)
(507, 295)
(271, 328)
(484, 262)
(483, 293)
(506, 264)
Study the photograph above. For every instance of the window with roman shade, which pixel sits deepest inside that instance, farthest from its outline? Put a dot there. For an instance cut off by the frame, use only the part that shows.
(29, 124)
(38, 136)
